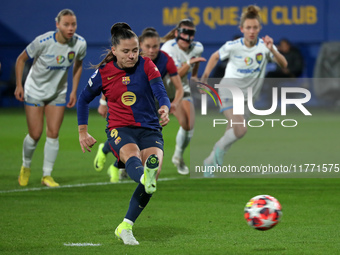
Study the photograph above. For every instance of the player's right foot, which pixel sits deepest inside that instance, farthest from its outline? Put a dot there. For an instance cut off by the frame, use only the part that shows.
(150, 171)
(100, 159)
(207, 167)
(124, 232)
(181, 167)
(113, 172)
(24, 176)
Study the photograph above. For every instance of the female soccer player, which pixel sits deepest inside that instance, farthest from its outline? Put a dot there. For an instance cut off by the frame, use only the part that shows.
(129, 82)
(186, 54)
(46, 87)
(248, 57)
(149, 42)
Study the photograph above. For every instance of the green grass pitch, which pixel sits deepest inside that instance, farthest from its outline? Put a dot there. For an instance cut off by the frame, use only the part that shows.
(186, 215)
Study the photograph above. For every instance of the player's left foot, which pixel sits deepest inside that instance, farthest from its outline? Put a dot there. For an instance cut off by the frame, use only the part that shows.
(49, 182)
(150, 171)
(124, 232)
(113, 172)
(181, 167)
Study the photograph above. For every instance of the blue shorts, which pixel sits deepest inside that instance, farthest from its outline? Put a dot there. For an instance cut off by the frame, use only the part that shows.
(143, 137)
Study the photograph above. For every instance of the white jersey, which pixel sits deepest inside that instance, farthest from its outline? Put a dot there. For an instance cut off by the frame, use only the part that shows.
(180, 57)
(52, 60)
(246, 66)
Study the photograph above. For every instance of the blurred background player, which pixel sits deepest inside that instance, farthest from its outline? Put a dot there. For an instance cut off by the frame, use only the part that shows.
(180, 45)
(130, 83)
(248, 57)
(149, 42)
(45, 89)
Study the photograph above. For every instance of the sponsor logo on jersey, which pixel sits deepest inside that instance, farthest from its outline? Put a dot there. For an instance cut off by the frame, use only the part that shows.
(238, 56)
(128, 98)
(114, 133)
(126, 80)
(248, 61)
(60, 59)
(259, 58)
(118, 140)
(70, 56)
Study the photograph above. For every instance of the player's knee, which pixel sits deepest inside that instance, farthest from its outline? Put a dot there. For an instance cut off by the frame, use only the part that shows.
(35, 135)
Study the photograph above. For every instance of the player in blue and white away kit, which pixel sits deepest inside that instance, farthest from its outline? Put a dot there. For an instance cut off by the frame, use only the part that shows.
(248, 57)
(186, 54)
(45, 89)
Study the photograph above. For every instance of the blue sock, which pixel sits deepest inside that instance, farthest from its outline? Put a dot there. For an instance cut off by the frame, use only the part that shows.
(134, 168)
(138, 202)
(106, 148)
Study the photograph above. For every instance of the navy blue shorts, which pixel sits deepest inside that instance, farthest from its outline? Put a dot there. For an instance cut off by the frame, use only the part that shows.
(143, 137)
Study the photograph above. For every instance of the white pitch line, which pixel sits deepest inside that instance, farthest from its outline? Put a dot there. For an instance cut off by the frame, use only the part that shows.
(82, 244)
(77, 185)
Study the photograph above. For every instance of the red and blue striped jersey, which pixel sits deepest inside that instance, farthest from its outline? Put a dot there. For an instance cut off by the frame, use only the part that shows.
(130, 94)
(165, 64)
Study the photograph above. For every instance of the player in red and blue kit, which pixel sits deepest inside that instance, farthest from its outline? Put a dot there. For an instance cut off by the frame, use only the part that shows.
(149, 42)
(130, 83)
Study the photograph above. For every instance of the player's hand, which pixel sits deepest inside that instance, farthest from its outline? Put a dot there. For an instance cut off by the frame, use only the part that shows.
(164, 115)
(268, 41)
(196, 60)
(19, 93)
(102, 110)
(86, 141)
(73, 100)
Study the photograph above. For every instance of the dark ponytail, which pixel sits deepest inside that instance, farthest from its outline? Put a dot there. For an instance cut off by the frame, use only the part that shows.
(119, 31)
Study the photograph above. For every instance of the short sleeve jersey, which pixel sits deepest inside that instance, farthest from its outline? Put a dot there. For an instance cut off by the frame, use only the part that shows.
(52, 60)
(246, 66)
(180, 57)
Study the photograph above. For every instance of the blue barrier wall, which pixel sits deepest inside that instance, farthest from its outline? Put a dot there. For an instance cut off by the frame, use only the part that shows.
(307, 23)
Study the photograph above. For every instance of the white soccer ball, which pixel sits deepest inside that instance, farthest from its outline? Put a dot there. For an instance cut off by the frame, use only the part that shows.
(263, 212)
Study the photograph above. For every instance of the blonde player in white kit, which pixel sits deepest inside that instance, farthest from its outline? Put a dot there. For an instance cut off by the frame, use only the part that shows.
(186, 54)
(45, 89)
(248, 57)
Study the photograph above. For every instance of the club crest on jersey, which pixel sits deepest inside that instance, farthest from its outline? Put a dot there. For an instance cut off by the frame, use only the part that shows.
(70, 56)
(126, 80)
(128, 98)
(60, 59)
(114, 133)
(248, 61)
(118, 140)
(259, 57)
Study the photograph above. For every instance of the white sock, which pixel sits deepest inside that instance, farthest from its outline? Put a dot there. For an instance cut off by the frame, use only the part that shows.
(224, 144)
(182, 141)
(28, 149)
(227, 140)
(50, 154)
(128, 221)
